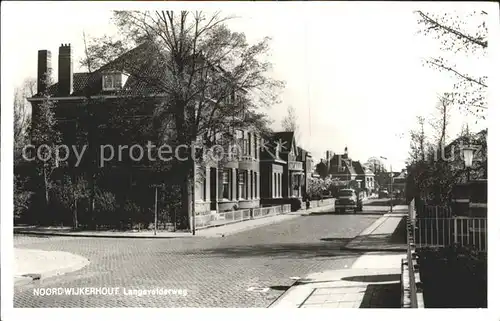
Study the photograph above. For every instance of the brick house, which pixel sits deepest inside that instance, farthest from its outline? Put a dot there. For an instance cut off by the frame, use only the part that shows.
(237, 184)
(282, 170)
(399, 182)
(305, 157)
(365, 177)
(112, 89)
(341, 167)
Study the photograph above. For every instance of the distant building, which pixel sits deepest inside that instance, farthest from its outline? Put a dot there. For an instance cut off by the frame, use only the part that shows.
(340, 167)
(365, 177)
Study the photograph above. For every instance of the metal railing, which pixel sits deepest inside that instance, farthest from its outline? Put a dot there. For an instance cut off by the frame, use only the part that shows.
(203, 220)
(295, 166)
(411, 267)
(446, 231)
(412, 213)
(433, 210)
(323, 202)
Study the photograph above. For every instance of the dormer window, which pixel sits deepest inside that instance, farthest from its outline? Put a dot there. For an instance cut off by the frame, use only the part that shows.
(113, 80)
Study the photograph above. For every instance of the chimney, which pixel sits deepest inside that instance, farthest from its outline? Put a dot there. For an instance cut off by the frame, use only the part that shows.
(65, 74)
(44, 70)
(346, 156)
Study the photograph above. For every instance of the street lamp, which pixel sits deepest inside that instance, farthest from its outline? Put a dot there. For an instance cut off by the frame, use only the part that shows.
(390, 182)
(468, 155)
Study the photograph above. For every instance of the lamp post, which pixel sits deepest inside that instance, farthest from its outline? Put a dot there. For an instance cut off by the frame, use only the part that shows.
(156, 186)
(468, 152)
(390, 182)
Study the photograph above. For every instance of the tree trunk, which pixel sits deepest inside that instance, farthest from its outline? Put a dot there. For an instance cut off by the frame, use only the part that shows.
(187, 195)
(46, 185)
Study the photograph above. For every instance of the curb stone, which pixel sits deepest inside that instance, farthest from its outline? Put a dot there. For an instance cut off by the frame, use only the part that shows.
(357, 245)
(80, 263)
(221, 234)
(23, 280)
(101, 236)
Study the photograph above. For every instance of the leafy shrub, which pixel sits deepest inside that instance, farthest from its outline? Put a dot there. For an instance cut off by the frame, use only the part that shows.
(442, 269)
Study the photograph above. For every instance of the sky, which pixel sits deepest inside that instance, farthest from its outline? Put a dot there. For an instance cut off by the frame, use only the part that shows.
(353, 71)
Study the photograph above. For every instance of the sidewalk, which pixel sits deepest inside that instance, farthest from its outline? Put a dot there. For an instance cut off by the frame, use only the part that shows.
(32, 265)
(388, 233)
(372, 282)
(219, 231)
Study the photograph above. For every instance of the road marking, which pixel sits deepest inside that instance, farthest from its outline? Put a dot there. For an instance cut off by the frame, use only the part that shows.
(257, 289)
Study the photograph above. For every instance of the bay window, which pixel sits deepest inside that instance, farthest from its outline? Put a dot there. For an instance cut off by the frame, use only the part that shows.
(275, 185)
(250, 196)
(256, 195)
(249, 144)
(224, 178)
(242, 184)
(279, 184)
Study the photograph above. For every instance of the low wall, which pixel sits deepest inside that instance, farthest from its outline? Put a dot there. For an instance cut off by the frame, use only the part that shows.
(205, 220)
(323, 202)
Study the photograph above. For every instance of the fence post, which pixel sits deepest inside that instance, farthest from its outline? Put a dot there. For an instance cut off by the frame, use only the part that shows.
(455, 228)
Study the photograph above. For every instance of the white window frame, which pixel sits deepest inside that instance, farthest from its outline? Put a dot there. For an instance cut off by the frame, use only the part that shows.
(226, 181)
(117, 80)
(242, 183)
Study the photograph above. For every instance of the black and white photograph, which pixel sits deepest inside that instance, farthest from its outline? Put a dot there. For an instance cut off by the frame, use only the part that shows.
(260, 154)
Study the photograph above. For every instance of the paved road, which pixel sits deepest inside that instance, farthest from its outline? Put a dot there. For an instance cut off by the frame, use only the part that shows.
(216, 272)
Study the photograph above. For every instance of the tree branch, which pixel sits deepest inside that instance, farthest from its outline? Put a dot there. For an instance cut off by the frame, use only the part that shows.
(439, 64)
(457, 33)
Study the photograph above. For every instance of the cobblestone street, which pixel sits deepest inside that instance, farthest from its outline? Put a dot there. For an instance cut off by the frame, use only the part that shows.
(216, 272)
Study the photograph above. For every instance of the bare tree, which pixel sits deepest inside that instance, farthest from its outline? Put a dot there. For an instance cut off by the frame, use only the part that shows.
(22, 119)
(43, 131)
(441, 121)
(418, 141)
(289, 122)
(460, 34)
(199, 63)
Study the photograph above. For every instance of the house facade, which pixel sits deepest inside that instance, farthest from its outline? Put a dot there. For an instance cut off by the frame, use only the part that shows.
(306, 158)
(237, 184)
(399, 183)
(91, 100)
(282, 168)
(365, 177)
(340, 167)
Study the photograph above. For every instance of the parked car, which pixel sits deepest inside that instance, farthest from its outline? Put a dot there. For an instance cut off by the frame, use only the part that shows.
(383, 193)
(348, 199)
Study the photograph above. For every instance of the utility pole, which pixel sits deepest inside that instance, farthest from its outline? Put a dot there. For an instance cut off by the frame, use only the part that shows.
(391, 188)
(193, 194)
(390, 182)
(156, 208)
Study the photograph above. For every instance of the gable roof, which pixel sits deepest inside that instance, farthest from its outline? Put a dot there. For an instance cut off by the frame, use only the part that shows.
(144, 66)
(144, 71)
(368, 171)
(346, 164)
(304, 154)
(358, 168)
(287, 139)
